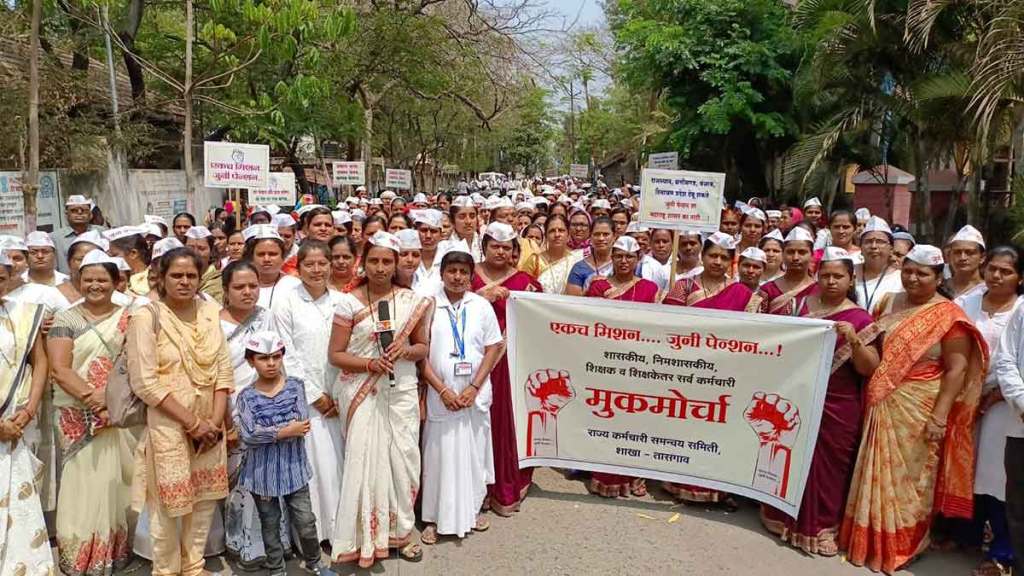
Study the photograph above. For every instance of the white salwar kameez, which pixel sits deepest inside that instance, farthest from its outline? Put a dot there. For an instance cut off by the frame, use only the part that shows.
(990, 473)
(458, 462)
(304, 324)
(270, 294)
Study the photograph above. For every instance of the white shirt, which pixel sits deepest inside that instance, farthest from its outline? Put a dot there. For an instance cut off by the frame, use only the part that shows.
(269, 294)
(871, 292)
(661, 276)
(304, 324)
(481, 330)
(1008, 365)
(49, 297)
(455, 243)
(58, 278)
(650, 269)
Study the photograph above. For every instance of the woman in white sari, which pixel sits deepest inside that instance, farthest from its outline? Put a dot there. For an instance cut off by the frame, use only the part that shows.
(24, 542)
(83, 343)
(303, 316)
(239, 319)
(377, 394)
(551, 267)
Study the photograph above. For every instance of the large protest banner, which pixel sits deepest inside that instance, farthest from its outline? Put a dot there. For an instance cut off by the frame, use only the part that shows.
(234, 165)
(723, 400)
(280, 193)
(681, 199)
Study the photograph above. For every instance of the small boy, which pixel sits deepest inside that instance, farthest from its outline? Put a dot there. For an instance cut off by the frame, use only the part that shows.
(272, 419)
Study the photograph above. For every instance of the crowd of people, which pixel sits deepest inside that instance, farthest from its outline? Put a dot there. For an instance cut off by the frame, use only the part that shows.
(271, 383)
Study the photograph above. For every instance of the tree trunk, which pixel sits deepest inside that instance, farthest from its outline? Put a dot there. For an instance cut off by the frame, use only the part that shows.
(131, 28)
(367, 147)
(297, 168)
(922, 217)
(190, 193)
(30, 184)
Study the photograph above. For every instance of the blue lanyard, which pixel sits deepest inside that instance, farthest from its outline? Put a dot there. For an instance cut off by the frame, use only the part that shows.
(460, 342)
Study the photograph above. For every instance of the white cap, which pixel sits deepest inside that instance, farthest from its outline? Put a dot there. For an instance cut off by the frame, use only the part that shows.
(907, 236)
(164, 246)
(775, 235)
(503, 202)
(383, 239)
(409, 239)
(799, 234)
(388, 195)
(13, 243)
(756, 213)
(352, 200)
(429, 217)
(538, 200)
(690, 232)
(500, 231)
(626, 244)
(360, 188)
(564, 199)
(198, 233)
(307, 208)
(151, 230)
(926, 255)
(812, 202)
(524, 206)
(96, 257)
(122, 265)
(358, 214)
(773, 213)
(862, 214)
(835, 253)
(477, 198)
(462, 202)
(491, 203)
(123, 232)
(152, 219)
(723, 240)
(272, 209)
(78, 200)
(967, 234)
(601, 203)
(283, 221)
(264, 342)
(92, 237)
(754, 253)
(634, 227)
(341, 217)
(876, 224)
(38, 239)
(261, 232)
(420, 198)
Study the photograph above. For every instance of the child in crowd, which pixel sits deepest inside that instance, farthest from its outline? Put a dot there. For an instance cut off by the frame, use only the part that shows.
(272, 418)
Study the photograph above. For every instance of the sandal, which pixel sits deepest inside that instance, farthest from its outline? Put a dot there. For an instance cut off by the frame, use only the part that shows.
(411, 552)
(991, 568)
(429, 535)
(827, 546)
(729, 504)
(482, 524)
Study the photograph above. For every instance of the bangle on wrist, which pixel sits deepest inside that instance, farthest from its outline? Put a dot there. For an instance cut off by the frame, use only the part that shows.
(193, 427)
(369, 362)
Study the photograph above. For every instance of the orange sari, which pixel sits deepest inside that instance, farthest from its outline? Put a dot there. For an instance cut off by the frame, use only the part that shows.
(901, 480)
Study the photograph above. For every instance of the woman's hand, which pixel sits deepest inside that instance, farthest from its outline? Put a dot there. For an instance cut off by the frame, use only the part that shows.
(295, 429)
(468, 396)
(202, 429)
(96, 400)
(847, 331)
(21, 418)
(399, 350)
(935, 428)
(450, 399)
(495, 293)
(9, 431)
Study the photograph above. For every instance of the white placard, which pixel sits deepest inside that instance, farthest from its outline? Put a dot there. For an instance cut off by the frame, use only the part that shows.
(234, 165)
(349, 173)
(681, 200)
(163, 191)
(12, 204)
(280, 193)
(579, 170)
(398, 179)
(663, 161)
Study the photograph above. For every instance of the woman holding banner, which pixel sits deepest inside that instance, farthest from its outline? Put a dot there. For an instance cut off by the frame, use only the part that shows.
(916, 457)
(815, 530)
(714, 289)
(788, 294)
(622, 284)
(495, 279)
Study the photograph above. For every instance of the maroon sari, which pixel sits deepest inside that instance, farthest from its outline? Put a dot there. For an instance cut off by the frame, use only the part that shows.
(775, 301)
(510, 482)
(603, 483)
(816, 528)
(735, 297)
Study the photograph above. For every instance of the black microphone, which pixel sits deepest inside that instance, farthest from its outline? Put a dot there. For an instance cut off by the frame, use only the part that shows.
(386, 337)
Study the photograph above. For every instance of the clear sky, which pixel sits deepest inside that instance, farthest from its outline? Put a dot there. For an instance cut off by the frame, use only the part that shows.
(590, 11)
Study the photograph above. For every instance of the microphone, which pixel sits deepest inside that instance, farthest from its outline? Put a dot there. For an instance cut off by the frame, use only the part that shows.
(386, 337)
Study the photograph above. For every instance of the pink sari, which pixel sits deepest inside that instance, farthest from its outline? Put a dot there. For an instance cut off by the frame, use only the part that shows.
(775, 301)
(639, 290)
(510, 482)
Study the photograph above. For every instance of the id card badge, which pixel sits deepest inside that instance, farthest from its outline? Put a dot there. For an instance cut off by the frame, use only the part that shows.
(463, 369)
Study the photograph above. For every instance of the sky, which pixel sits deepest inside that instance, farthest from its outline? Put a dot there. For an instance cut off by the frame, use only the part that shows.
(590, 11)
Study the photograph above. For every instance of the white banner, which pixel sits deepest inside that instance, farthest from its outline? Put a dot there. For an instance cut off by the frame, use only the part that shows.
(579, 170)
(234, 165)
(349, 173)
(49, 215)
(398, 179)
(681, 200)
(280, 193)
(663, 161)
(162, 191)
(724, 400)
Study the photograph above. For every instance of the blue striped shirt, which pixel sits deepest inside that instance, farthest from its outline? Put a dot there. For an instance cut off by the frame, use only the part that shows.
(272, 467)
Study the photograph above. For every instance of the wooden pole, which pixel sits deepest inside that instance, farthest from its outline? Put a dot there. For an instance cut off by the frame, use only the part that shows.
(675, 260)
(238, 208)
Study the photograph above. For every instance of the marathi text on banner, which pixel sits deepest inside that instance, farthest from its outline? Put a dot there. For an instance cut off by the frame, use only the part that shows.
(234, 165)
(663, 161)
(398, 179)
(349, 173)
(724, 400)
(280, 193)
(681, 200)
(12, 206)
(579, 170)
